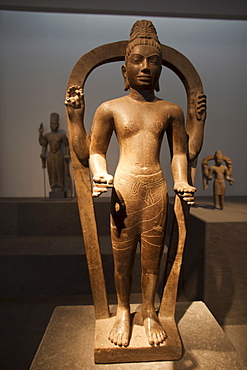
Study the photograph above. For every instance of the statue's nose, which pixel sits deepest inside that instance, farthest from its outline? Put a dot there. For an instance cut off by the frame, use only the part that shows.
(145, 64)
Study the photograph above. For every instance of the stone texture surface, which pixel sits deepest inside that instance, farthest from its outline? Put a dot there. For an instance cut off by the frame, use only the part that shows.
(68, 342)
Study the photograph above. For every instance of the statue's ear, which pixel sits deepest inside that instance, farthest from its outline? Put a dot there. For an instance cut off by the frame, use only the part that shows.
(157, 86)
(126, 82)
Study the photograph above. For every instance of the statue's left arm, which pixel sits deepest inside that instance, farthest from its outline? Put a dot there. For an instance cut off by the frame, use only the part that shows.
(66, 145)
(195, 123)
(228, 177)
(177, 142)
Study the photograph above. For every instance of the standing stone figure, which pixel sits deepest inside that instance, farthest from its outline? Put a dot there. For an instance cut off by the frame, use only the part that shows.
(139, 200)
(55, 159)
(219, 172)
(139, 197)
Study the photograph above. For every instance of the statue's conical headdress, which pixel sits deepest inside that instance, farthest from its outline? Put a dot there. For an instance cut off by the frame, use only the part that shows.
(142, 33)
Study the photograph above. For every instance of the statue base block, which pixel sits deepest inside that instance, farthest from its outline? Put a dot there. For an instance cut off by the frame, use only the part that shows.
(139, 350)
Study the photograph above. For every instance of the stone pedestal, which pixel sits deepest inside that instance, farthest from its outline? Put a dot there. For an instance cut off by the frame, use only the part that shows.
(214, 265)
(68, 342)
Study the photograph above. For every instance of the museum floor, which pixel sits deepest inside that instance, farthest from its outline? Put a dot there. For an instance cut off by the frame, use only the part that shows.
(41, 272)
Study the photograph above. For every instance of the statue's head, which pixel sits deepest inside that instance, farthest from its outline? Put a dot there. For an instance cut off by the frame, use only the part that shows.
(218, 157)
(143, 58)
(54, 121)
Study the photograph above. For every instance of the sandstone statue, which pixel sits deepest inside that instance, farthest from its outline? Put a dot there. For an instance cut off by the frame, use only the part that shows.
(51, 154)
(220, 173)
(139, 199)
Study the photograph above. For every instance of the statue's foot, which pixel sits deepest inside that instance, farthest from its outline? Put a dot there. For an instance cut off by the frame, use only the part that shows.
(120, 332)
(154, 330)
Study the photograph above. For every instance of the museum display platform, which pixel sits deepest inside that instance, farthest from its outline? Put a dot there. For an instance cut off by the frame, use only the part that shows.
(215, 258)
(68, 342)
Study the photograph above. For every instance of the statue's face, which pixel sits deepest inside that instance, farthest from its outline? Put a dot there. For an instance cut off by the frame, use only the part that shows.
(218, 159)
(54, 124)
(143, 67)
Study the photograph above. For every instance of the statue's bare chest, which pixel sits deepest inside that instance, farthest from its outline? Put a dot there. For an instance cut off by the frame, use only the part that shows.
(140, 120)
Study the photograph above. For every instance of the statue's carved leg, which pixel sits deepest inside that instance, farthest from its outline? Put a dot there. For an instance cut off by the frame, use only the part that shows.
(151, 251)
(124, 255)
(221, 201)
(142, 217)
(215, 200)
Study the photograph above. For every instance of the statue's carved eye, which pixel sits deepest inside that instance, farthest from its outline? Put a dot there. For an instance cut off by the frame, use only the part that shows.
(154, 59)
(136, 58)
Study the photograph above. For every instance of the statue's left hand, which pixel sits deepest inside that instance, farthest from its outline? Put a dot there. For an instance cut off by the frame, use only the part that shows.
(201, 107)
(186, 192)
(74, 97)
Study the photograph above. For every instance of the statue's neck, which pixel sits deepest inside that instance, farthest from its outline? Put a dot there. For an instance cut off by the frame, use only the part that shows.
(142, 95)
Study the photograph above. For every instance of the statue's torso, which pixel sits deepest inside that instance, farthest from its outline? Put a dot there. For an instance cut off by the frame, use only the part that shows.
(219, 172)
(54, 139)
(140, 127)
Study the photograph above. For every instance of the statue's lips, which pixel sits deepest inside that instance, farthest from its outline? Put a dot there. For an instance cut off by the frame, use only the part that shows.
(145, 78)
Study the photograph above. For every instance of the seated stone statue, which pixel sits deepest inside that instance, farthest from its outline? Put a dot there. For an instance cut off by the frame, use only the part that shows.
(139, 196)
(219, 172)
(53, 141)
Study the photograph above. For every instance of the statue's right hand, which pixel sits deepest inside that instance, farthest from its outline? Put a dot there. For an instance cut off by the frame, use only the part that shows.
(41, 128)
(101, 183)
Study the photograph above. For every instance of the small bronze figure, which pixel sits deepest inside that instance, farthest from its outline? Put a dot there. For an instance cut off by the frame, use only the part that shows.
(219, 172)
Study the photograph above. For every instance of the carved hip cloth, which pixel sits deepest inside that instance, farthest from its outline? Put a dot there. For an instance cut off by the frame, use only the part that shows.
(219, 187)
(55, 166)
(138, 210)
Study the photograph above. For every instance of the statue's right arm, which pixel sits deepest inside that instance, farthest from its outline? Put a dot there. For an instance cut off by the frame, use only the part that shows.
(210, 172)
(42, 138)
(100, 136)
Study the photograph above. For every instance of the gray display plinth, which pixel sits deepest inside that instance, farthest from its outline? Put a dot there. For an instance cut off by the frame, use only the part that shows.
(214, 265)
(68, 342)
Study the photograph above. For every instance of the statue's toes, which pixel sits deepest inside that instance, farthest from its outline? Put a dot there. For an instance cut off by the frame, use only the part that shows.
(156, 337)
(161, 336)
(111, 336)
(125, 340)
(151, 339)
(119, 339)
(115, 339)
